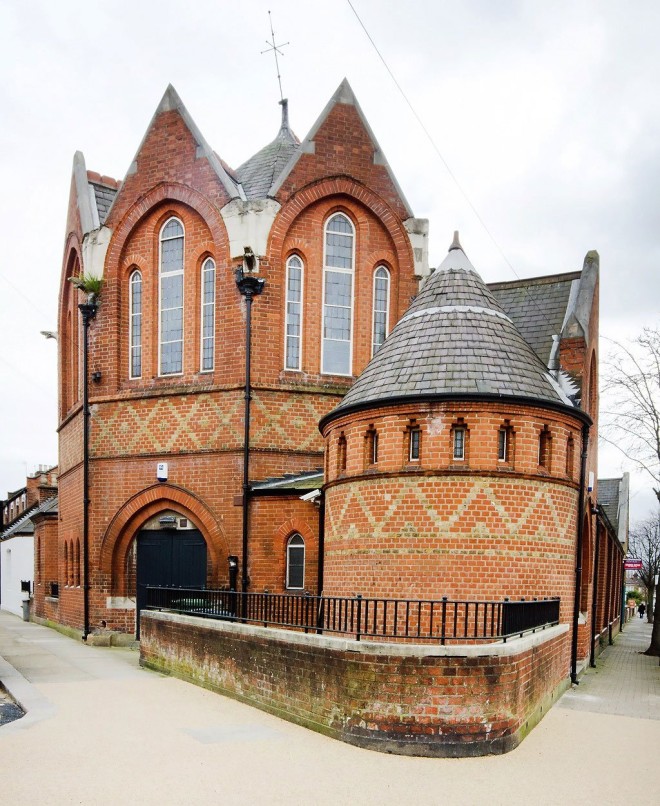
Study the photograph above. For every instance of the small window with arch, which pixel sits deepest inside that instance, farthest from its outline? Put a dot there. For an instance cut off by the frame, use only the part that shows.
(381, 305)
(135, 325)
(207, 334)
(293, 324)
(295, 562)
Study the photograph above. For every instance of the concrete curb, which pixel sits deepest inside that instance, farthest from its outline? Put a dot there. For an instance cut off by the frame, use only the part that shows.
(31, 700)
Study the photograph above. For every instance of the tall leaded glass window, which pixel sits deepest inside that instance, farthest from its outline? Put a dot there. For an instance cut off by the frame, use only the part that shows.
(381, 307)
(135, 325)
(338, 296)
(294, 281)
(171, 298)
(208, 315)
(295, 562)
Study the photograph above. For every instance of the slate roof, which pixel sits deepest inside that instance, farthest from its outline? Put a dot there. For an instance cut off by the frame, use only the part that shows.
(104, 197)
(608, 498)
(454, 340)
(292, 481)
(258, 174)
(537, 307)
(24, 525)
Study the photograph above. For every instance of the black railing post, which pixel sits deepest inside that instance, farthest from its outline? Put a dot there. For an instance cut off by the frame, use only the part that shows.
(444, 620)
(359, 616)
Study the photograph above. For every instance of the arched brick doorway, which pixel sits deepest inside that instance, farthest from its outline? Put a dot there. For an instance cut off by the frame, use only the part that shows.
(198, 542)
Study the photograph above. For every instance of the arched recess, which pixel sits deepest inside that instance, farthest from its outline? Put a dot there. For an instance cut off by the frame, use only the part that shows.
(117, 539)
(69, 329)
(337, 187)
(121, 257)
(166, 192)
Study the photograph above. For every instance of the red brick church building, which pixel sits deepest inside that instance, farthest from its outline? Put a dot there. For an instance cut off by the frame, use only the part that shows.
(461, 463)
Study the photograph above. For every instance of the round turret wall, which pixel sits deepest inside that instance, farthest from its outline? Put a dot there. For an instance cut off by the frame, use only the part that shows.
(500, 521)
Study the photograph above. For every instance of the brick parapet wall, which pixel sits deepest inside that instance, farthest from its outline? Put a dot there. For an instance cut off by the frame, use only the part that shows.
(413, 700)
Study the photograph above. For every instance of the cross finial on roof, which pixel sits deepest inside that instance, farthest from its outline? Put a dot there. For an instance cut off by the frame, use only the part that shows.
(276, 49)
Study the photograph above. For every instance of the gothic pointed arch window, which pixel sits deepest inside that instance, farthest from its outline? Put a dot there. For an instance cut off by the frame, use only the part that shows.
(171, 241)
(207, 341)
(381, 307)
(295, 562)
(135, 325)
(338, 263)
(293, 332)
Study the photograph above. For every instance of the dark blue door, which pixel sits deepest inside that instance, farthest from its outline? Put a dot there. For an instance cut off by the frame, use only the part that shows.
(168, 558)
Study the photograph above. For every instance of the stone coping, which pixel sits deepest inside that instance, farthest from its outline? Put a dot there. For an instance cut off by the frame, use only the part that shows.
(513, 646)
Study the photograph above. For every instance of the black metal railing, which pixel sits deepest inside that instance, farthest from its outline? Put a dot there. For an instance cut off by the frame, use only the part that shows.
(437, 620)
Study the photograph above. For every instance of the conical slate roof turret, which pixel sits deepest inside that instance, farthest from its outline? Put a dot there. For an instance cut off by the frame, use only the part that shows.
(454, 341)
(258, 174)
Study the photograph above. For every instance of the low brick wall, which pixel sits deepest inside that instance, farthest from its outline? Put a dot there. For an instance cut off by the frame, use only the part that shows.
(396, 698)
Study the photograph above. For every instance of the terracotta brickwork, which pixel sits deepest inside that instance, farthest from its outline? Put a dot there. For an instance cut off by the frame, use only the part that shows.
(273, 521)
(194, 420)
(479, 527)
(417, 701)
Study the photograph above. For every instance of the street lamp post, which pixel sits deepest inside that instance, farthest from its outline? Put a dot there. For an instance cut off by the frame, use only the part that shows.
(88, 312)
(249, 286)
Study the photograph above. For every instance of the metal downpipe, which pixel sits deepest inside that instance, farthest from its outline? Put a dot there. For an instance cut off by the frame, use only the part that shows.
(580, 540)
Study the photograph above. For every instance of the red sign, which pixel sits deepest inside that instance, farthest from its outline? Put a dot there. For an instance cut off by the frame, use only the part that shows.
(632, 565)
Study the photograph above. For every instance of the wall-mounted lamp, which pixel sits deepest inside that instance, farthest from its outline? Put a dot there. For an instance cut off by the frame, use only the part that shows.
(96, 377)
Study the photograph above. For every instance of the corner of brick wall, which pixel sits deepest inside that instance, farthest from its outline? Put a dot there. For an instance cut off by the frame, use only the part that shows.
(424, 701)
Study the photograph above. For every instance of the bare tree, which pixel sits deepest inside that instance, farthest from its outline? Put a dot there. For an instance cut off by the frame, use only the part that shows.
(632, 389)
(644, 544)
(632, 420)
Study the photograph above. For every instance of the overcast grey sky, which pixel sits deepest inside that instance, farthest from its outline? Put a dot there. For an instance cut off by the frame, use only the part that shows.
(546, 113)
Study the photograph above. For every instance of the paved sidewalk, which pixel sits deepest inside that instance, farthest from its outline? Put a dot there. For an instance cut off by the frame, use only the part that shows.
(101, 731)
(624, 682)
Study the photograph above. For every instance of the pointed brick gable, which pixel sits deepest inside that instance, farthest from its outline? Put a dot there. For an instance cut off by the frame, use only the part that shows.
(173, 151)
(341, 143)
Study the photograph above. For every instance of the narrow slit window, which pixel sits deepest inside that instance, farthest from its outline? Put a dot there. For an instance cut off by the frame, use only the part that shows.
(502, 445)
(295, 562)
(338, 296)
(381, 307)
(208, 316)
(459, 444)
(341, 454)
(294, 290)
(371, 438)
(171, 298)
(544, 448)
(570, 456)
(135, 324)
(415, 444)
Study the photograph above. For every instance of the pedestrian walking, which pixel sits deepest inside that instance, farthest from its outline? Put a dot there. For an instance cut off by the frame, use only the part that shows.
(641, 609)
